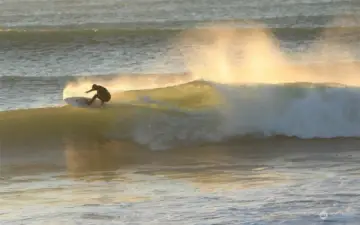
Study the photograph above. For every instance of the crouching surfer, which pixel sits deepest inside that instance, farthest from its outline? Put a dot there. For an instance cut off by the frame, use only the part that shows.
(102, 94)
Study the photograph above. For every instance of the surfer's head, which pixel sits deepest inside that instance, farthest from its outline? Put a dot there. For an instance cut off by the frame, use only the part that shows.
(94, 86)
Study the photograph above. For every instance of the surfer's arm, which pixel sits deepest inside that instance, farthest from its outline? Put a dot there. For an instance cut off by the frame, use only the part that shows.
(89, 91)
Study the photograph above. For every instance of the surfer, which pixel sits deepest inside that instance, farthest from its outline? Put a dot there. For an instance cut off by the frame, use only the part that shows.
(102, 93)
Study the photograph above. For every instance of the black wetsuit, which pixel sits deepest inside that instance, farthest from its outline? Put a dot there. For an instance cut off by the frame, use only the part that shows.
(102, 93)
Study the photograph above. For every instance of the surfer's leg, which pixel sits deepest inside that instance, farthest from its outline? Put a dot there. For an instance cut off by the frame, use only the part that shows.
(104, 98)
(93, 99)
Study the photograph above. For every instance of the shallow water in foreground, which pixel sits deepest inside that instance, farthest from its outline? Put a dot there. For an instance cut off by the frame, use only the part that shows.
(252, 182)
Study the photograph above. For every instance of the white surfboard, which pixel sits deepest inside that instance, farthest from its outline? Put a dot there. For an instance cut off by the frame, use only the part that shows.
(82, 102)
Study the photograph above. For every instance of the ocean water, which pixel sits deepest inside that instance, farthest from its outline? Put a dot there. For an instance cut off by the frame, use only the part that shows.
(222, 112)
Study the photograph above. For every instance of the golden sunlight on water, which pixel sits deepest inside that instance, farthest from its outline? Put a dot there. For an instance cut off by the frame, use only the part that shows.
(108, 173)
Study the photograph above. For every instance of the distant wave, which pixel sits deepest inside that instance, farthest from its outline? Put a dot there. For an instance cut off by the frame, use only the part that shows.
(198, 112)
(112, 32)
(339, 65)
(298, 21)
(112, 29)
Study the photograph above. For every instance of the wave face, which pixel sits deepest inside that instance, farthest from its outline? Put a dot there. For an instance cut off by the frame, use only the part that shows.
(196, 113)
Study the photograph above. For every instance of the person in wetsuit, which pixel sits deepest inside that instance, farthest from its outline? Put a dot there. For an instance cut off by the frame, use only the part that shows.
(102, 93)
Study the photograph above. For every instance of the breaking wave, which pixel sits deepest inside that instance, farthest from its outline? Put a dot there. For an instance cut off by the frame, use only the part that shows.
(197, 112)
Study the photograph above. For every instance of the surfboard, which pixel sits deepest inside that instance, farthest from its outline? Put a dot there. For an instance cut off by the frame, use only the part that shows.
(82, 102)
